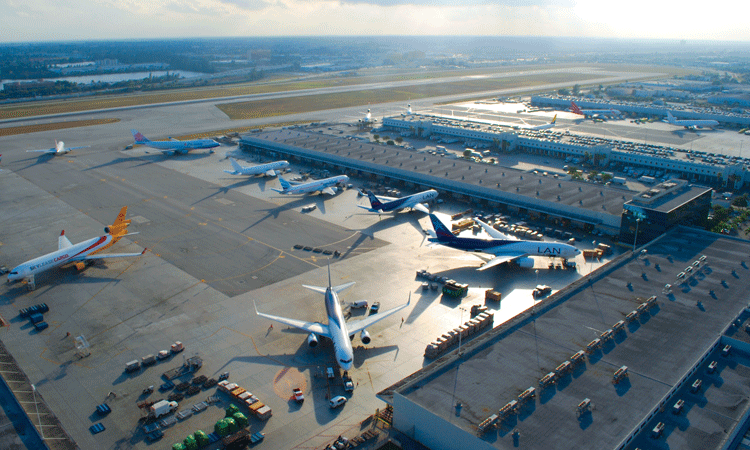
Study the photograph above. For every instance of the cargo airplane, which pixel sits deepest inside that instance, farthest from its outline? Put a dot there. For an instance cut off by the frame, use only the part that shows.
(270, 169)
(501, 246)
(691, 124)
(594, 112)
(173, 146)
(337, 330)
(390, 204)
(324, 186)
(58, 149)
(78, 254)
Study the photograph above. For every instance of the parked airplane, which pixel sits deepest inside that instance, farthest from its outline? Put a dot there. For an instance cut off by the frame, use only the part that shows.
(337, 330)
(269, 169)
(390, 204)
(594, 112)
(173, 146)
(546, 126)
(87, 250)
(691, 124)
(323, 186)
(499, 245)
(59, 148)
(368, 119)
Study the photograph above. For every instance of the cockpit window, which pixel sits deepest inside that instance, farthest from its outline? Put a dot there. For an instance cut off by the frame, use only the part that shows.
(345, 361)
(14, 273)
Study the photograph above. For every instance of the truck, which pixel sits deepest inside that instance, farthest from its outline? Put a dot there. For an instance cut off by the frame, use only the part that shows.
(299, 396)
(348, 384)
(161, 408)
(191, 365)
(132, 366)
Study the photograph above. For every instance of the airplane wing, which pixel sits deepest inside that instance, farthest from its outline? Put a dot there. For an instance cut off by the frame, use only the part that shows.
(501, 259)
(493, 232)
(328, 191)
(63, 242)
(76, 148)
(49, 150)
(356, 327)
(421, 207)
(311, 327)
(271, 173)
(110, 255)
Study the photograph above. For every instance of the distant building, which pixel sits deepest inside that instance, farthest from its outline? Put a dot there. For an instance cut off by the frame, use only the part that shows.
(661, 208)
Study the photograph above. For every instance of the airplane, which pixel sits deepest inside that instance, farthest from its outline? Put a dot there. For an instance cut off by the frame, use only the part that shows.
(546, 126)
(691, 124)
(173, 146)
(501, 246)
(337, 330)
(593, 112)
(390, 204)
(59, 148)
(368, 119)
(269, 169)
(323, 186)
(78, 254)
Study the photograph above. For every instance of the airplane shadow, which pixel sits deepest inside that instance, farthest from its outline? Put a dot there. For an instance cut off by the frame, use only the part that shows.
(274, 212)
(245, 181)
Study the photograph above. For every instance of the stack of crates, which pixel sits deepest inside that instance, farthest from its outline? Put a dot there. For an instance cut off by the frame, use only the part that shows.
(221, 428)
(454, 289)
(202, 438)
(240, 419)
(178, 446)
(190, 443)
(232, 424)
(231, 410)
(35, 314)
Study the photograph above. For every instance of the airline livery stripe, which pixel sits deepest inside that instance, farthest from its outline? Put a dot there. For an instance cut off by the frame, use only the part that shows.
(95, 244)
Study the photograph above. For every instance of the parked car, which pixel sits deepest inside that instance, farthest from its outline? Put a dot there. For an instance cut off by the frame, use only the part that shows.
(337, 401)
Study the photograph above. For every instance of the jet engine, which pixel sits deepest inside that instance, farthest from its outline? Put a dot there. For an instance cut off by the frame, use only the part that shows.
(525, 262)
(106, 230)
(312, 340)
(364, 336)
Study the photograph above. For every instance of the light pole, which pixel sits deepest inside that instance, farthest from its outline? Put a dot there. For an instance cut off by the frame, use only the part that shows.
(460, 332)
(36, 406)
(635, 238)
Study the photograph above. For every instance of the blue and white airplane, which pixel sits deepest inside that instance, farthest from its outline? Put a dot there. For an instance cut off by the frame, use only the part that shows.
(173, 146)
(691, 124)
(390, 204)
(58, 149)
(325, 186)
(500, 246)
(270, 169)
(337, 330)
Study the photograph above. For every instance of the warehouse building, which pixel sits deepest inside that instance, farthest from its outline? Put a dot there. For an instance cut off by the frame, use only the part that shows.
(649, 351)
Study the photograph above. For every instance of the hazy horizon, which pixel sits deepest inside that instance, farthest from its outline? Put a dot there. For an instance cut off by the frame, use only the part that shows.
(42, 21)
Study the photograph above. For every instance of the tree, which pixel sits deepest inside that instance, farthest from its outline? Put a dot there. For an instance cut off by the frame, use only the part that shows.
(576, 89)
(740, 201)
(563, 91)
(467, 153)
(399, 139)
(376, 137)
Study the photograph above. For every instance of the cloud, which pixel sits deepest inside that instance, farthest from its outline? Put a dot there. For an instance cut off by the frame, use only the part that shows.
(249, 5)
(457, 3)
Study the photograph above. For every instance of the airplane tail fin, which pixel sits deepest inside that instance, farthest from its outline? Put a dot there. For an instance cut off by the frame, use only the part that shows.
(554, 119)
(575, 108)
(237, 167)
(670, 117)
(441, 231)
(374, 202)
(138, 137)
(285, 185)
(120, 226)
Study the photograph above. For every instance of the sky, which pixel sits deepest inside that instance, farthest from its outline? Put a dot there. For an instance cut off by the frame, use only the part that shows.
(45, 20)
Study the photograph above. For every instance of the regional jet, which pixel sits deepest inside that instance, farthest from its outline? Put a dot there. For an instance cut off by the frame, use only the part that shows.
(173, 146)
(324, 186)
(503, 248)
(78, 254)
(545, 126)
(691, 124)
(270, 169)
(337, 330)
(58, 149)
(594, 112)
(390, 204)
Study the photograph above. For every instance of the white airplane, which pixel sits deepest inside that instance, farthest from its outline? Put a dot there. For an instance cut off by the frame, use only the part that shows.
(173, 146)
(269, 169)
(503, 248)
(58, 149)
(79, 253)
(594, 112)
(323, 186)
(691, 124)
(337, 330)
(368, 118)
(390, 204)
(546, 126)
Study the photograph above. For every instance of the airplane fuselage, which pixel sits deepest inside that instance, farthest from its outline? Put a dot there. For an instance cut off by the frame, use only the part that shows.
(58, 258)
(261, 169)
(407, 202)
(316, 185)
(342, 345)
(499, 246)
(181, 145)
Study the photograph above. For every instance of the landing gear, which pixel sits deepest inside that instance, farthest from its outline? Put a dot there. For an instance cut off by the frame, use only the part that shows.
(30, 283)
